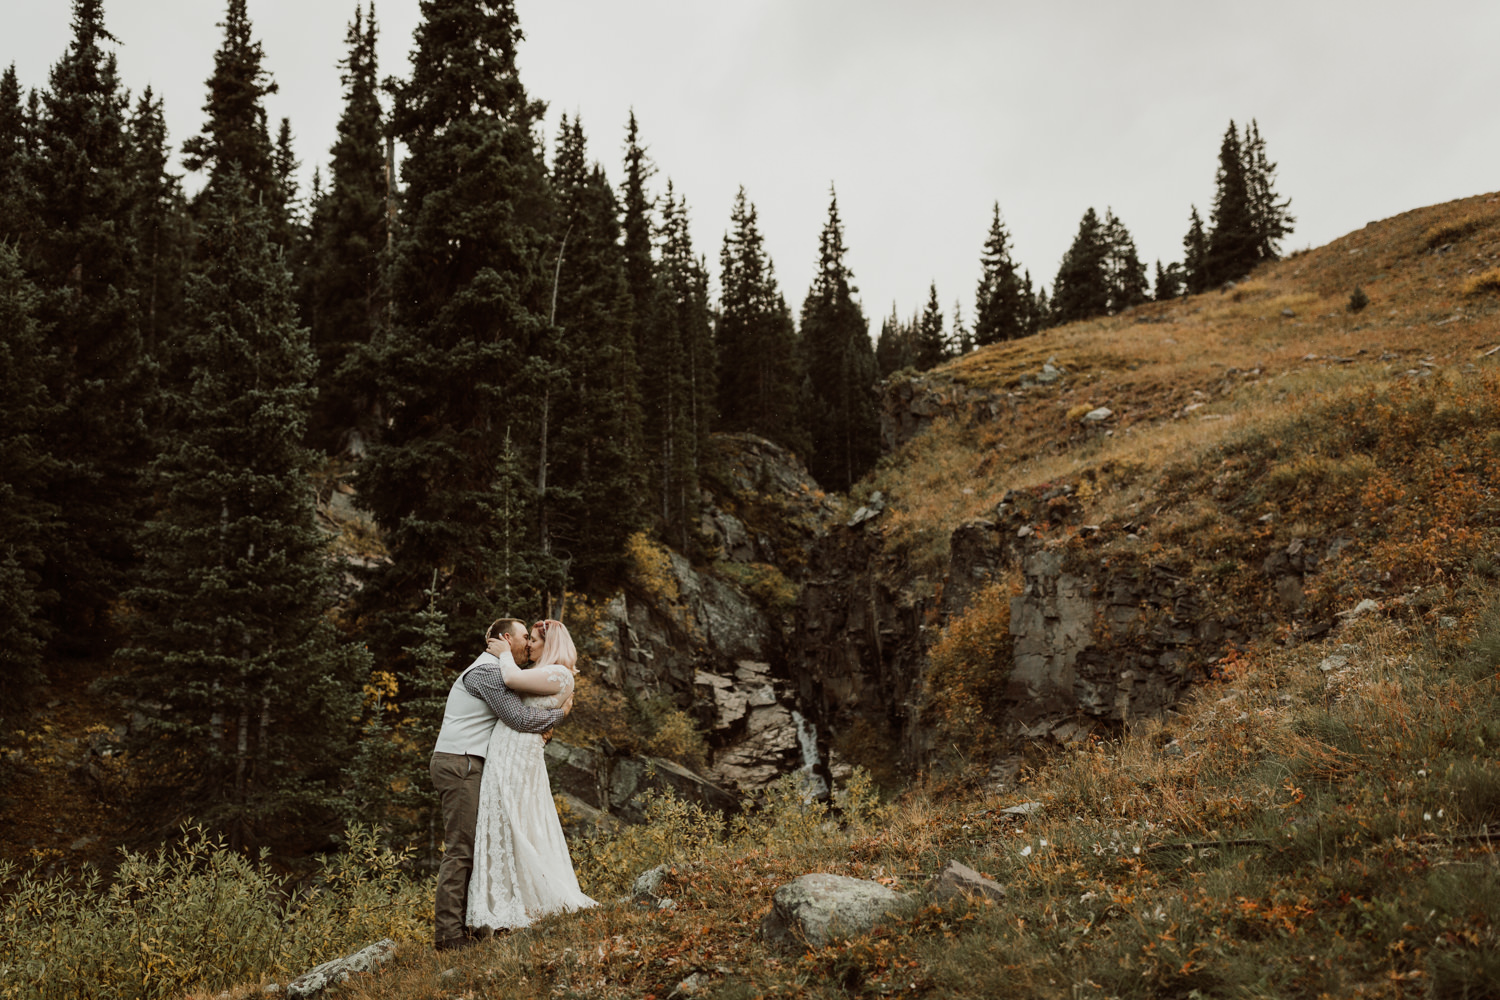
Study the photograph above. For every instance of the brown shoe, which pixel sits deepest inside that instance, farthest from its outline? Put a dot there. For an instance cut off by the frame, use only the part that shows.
(453, 944)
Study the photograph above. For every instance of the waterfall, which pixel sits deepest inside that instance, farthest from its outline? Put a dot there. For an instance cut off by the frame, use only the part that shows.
(810, 773)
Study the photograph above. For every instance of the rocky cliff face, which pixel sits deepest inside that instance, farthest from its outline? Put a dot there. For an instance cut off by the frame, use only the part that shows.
(1094, 640)
(909, 405)
(1099, 634)
(714, 638)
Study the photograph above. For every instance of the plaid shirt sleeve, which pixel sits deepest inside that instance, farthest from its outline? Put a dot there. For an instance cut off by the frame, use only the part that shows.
(488, 683)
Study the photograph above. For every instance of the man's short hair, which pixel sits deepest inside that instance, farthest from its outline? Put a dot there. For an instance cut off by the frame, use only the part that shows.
(502, 626)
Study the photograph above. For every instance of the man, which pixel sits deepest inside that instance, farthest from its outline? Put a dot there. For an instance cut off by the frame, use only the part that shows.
(477, 699)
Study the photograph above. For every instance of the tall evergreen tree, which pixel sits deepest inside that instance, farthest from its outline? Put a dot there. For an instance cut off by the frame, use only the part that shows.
(1168, 283)
(840, 363)
(1124, 272)
(387, 781)
(1082, 289)
(158, 222)
(639, 266)
(1233, 245)
(288, 228)
(83, 260)
(27, 521)
(596, 446)
(228, 627)
(931, 340)
(345, 291)
(1195, 255)
(1042, 312)
(470, 302)
(1000, 305)
(1034, 302)
(663, 308)
(235, 136)
(962, 339)
(17, 206)
(1270, 216)
(756, 338)
(636, 227)
(680, 371)
(896, 347)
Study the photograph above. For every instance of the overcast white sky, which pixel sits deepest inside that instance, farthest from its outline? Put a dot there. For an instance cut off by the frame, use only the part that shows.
(923, 114)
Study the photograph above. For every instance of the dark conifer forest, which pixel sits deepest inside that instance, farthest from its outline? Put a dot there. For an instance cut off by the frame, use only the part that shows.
(515, 363)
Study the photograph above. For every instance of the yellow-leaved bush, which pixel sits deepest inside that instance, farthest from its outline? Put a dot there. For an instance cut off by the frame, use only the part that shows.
(197, 915)
(967, 671)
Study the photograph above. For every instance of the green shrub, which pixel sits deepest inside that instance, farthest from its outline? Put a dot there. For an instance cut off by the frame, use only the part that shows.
(1358, 299)
(765, 584)
(964, 689)
(197, 915)
(664, 730)
(674, 831)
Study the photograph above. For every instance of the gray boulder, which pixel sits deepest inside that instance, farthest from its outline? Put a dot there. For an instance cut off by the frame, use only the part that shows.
(815, 909)
(332, 973)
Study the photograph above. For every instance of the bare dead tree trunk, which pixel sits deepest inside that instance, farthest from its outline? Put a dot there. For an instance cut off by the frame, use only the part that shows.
(541, 472)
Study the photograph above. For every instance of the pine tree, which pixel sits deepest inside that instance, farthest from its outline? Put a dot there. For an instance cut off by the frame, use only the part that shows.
(83, 260)
(27, 521)
(1232, 240)
(931, 341)
(235, 136)
(1082, 288)
(387, 782)
(159, 224)
(1034, 302)
(597, 449)
(1000, 306)
(756, 338)
(636, 226)
(1168, 283)
(17, 207)
(896, 347)
(1042, 312)
(228, 627)
(1194, 256)
(1124, 273)
(963, 340)
(1270, 217)
(345, 291)
(470, 302)
(680, 371)
(655, 331)
(842, 417)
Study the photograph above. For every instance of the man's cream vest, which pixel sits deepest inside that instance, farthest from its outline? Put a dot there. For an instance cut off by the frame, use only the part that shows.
(468, 721)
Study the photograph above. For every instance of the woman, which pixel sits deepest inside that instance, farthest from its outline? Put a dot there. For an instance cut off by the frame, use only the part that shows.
(522, 870)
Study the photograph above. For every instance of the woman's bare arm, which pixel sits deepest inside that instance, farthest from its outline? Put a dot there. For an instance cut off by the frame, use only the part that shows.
(523, 681)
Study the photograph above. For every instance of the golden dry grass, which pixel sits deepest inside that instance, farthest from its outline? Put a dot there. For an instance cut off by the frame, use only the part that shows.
(1183, 378)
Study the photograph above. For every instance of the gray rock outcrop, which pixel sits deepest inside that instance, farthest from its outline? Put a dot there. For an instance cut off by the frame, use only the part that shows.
(610, 782)
(312, 983)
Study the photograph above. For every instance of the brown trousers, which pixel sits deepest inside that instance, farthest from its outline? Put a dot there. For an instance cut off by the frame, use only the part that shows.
(456, 778)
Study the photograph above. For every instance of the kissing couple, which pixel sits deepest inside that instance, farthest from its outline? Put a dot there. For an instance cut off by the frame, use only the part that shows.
(505, 861)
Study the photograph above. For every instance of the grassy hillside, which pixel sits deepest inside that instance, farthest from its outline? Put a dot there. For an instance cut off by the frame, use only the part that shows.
(1232, 404)
(1315, 819)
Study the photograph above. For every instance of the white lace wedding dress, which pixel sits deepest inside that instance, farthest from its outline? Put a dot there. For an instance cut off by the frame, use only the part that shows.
(522, 869)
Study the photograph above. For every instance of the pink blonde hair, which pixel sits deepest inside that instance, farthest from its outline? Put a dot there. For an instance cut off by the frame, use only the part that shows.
(557, 644)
